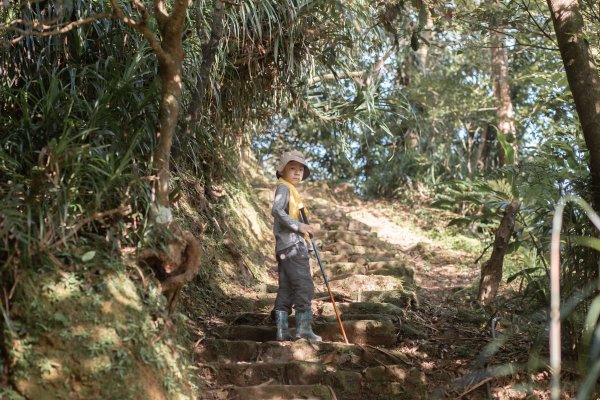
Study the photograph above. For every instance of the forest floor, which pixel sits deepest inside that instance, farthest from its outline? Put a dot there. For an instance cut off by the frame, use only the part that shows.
(406, 289)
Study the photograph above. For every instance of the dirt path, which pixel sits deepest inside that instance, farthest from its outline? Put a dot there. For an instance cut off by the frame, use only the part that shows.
(413, 328)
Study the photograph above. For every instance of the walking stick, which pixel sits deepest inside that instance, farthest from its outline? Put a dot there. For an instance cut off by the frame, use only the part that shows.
(314, 246)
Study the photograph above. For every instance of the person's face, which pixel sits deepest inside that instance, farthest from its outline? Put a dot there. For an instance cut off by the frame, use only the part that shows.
(293, 172)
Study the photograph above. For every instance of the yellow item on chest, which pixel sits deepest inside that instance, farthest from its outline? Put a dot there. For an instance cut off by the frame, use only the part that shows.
(295, 202)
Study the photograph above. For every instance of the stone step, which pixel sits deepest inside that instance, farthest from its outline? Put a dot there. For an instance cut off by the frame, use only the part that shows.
(371, 332)
(265, 301)
(391, 268)
(383, 255)
(394, 382)
(346, 384)
(364, 238)
(350, 356)
(355, 225)
(329, 258)
(346, 249)
(373, 252)
(357, 317)
(270, 392)
(400, 298)
(388, 381)
(264, 319)
(341, 268)
(354, 283)
(361, 308)
(250, 374)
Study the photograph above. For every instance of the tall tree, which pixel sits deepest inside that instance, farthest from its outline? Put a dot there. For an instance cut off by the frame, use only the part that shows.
(504, 106)
(584, 82)
(491, 271)
(425, 29)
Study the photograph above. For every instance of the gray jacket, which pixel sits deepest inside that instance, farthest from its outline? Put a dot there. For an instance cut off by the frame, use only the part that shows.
(285, 228)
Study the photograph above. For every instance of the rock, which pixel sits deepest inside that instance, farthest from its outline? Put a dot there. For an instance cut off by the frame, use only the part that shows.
(356, 283)
(400, 298)
(346, 384)
(375, 333)
(270, 392)
(396, 381)
(364, 308)
(393, 268)
(355, 225)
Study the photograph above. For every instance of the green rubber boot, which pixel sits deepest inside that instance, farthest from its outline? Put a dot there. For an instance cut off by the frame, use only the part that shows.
(283, 332)
(304, 328)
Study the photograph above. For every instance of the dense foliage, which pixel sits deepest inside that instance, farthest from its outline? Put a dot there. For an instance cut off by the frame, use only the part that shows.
(393, 96)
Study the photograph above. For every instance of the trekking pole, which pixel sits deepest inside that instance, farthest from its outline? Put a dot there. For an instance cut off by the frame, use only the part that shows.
(314, 246)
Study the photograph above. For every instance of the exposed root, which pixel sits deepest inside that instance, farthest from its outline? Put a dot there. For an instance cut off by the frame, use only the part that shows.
(178, 266)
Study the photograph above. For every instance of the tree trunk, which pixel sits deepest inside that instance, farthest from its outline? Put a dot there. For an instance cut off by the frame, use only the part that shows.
(170, 79)
(179, 263)
(365, 154)
(425, 28)
(491, 271)
(582, 75)
(481, 154)
(504, 106)
(169, 53)
(170, 61)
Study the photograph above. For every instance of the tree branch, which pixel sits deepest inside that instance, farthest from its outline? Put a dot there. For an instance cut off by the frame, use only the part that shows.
(328, 77)
(366, 80)
(162, 16)
(532, 18)
(38, 28)
(179, 11)
(140, 26)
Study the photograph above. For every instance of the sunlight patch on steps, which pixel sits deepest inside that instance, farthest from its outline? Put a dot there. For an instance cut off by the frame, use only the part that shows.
(387, 230)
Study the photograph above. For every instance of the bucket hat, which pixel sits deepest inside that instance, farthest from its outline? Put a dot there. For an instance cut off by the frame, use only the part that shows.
(292, 156)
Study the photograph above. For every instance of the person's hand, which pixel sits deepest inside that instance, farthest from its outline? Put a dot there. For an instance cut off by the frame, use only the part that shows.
(306, 229)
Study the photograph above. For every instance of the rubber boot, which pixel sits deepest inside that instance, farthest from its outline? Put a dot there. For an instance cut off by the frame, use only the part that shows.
(283, 332)
(304, 328)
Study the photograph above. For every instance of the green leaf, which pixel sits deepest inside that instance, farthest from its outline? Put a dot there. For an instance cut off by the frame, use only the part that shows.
(525, 271)
(461, 221)
(507, 148)
(593, 243)
(60, 317)
(88, 256)
(514, 246)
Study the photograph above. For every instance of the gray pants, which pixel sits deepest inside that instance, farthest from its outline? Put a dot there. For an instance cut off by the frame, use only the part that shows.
(295, 281)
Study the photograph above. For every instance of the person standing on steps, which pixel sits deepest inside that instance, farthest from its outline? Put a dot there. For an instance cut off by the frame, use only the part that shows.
(296, 286)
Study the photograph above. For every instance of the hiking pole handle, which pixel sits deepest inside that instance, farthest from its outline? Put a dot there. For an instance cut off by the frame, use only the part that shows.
(304, 220)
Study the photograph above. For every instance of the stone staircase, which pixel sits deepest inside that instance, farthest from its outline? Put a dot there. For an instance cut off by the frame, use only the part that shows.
(239, 358)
